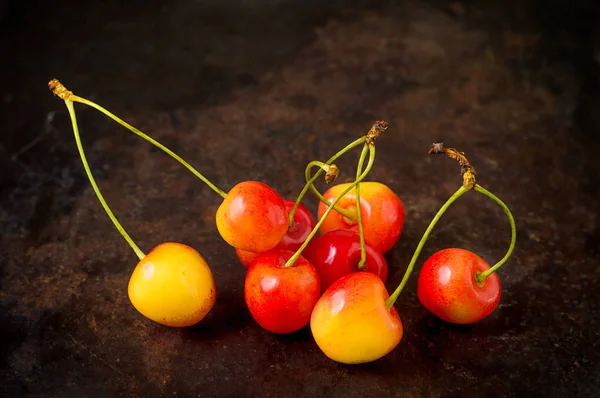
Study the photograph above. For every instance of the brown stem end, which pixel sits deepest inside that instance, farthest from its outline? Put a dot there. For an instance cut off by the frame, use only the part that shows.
(378, 127)
(466, 170)
(59, 89)
(332, 173)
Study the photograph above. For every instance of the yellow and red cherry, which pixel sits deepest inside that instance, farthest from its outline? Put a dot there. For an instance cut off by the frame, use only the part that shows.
(382, 213)
(252, 217)
(173, 285)
(351, 323)
(337, 253)
(301, 226)
(448, 286)
(281, 299)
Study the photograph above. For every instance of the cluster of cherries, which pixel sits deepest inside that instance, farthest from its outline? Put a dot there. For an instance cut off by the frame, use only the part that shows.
(328, 273)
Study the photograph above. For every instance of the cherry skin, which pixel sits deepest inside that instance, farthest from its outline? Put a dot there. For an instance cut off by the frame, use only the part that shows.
(337, 253)
(173, 285)
(447, 287)
(351, 323)
(382, 213)
(252, 217)
(302, 225)
(281, 299)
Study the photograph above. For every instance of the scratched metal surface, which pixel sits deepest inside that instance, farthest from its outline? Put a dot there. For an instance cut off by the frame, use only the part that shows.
(255, 90)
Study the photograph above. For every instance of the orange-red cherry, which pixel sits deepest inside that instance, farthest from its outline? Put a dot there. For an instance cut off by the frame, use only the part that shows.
(382, 213)
(448, 288)
(252, 217)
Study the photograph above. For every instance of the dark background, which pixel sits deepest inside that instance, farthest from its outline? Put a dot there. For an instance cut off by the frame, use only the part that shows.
(255, 90)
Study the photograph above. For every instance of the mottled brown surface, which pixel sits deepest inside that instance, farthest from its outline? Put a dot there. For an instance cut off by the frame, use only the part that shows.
(256, 91)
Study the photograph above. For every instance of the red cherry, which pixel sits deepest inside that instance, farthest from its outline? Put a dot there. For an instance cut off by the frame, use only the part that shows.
(252, 217)
(281, 299)
(447, 287)
(302, 226)
(337, 253)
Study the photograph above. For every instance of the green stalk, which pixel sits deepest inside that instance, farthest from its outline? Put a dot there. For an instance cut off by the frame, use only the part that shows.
(309, 183)
(480, 277)
(392, 299)
(293, 259)
(152, 141)
(88, 172)
(361, 232)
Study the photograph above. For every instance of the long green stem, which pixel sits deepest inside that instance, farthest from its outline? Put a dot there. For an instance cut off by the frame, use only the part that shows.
(88, 172)
(392, 299)
(361, 232)
(293, 259)
(309, 183)
(151, 140)
(480, 277)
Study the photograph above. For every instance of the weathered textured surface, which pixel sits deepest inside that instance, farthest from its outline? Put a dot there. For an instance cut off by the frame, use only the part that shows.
(256, 92)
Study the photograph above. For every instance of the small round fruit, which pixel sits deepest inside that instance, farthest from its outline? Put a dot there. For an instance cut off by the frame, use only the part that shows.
(447, 287)
(382, 213)
(351, 323)
(173, 285)
(281, 299)
(252, 217)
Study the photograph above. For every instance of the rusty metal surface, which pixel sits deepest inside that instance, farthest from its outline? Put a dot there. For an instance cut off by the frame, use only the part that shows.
(255, 91)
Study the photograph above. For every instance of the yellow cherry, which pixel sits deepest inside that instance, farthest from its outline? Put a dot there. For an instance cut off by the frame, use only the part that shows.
(173, 285)
(351, 323)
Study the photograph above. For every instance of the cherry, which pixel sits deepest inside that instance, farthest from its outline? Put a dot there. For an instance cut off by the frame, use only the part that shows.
(351, 323)
(382, 214)
(338, 253)
(281, 298)
(448, 286)
(252, 217)
(302, 223)
(172, 285)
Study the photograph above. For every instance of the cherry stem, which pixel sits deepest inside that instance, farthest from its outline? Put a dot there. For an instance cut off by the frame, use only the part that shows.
(88, 172)
(311, 181)
(361, 232)
(151, 140)
(392, 299)
(344, 212)
(480, 276)
(296, 255)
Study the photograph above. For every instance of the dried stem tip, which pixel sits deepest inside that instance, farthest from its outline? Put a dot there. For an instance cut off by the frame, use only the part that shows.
(331, 174)
(377, 128)
(59, 90)
(466, 170)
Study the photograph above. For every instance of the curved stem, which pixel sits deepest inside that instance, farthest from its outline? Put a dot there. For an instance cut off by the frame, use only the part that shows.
(480, 277)
(346, 213)
(151, 140)
(88, 172)
(392, 299)
(293, 259)
(361, 232)
(312, 180)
